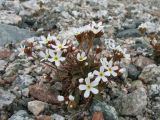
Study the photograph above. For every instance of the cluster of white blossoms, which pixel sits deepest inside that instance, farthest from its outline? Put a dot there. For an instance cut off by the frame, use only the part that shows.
(94, 27)
(106, 70)
(56, 51)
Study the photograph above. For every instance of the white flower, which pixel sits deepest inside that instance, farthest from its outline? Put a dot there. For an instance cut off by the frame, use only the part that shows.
(59, 46)
(90, 75)
(82, 56)
(45, 40)
(123, 51)
(89, 87)
(21, 50)
(143, 26)
(45, 55)
(101, 75)
(109, 67)
(71, 97)
(81, 80)
(96, 28)
(60, 98)
(56, 57)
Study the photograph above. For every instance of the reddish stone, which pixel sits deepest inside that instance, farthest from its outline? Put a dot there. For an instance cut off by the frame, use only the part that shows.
(43, 94)
(5, 53)
(98, 116)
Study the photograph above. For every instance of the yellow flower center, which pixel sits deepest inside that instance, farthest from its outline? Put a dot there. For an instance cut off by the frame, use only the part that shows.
(88, 87)
(110, 69)
(81, 58)
(55, 58)
(60, 46)
(101, 74)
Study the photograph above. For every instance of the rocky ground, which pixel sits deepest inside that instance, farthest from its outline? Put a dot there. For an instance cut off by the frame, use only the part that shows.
(22, 99)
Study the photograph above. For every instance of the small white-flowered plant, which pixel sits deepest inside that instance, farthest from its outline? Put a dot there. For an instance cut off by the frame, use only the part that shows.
(123, 51)
(60, 98)
(59, 46)
(109, 67)
(143, 26)
(82, 56)
(56, 57)
(21, 50)
(96, 28)
(45, 40)
(101, 75)
(89, 87)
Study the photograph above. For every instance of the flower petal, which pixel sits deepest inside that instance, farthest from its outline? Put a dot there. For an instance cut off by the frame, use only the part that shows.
(87, 80)
(94, 91)
(78, 56)
(86, 93)
(95, 72)
(82, 87)
(101, 69)
(83, 54)
(57, 63)
(51, 53)
(94, 83)
(114, 73)
(62, 59)
(59, 53)
(107, 73)
(50, 59)
(115, 68)
(104, 79)
(98, 79)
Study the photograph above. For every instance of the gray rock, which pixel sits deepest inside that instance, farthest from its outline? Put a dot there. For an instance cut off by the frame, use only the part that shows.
(142, 61)
(23, 81)
(9, 17)
(131, 104)
(13, 34)
(30, 7)
(3, 64)
(6, 98)
(150, 74)
(109, 111)
(36, 107)
(12, 5)
(25, 92)
(133, 72)
(154, 90)
(57, 117)
(128, 33)
(20, 115)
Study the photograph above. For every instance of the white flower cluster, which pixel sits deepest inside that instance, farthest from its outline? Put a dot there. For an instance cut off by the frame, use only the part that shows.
(106, 70)
(94, 27)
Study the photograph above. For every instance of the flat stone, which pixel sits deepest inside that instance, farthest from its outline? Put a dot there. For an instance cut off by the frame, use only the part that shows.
(57, 117)
(6, 98)
(128, 33)
(23, 81)
(150, 74)
(108, 111)
(13, 34)
(154, 90)
(36, 107)
(131, 104)
(20, 115)
(9, 17)
(3, 64)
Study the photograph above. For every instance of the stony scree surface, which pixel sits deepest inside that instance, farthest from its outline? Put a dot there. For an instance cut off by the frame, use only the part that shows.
(25, 93)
